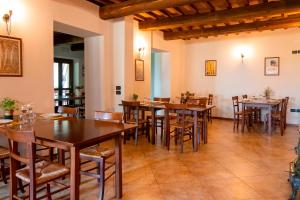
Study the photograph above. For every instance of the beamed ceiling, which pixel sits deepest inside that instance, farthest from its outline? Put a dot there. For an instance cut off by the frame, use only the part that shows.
(186, 19)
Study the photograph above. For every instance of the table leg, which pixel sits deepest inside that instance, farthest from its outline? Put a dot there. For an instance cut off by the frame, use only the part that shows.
(153, 125)
(13, 178)
(205, 126)
(75, 174)
(243, 117)
(118, 176)
(196, 131)
(270, 119)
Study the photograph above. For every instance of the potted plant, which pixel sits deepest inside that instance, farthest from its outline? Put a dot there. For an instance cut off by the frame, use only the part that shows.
(8, 105)
(268, 92)
(135, 97)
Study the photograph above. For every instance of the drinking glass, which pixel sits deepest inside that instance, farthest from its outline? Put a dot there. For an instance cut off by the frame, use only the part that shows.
(23, 115)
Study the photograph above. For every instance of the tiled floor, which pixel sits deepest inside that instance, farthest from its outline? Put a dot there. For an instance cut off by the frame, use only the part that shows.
(233, 165)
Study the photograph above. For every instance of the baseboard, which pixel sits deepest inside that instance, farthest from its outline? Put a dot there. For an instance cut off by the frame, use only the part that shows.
(230, 119)
(223, 118)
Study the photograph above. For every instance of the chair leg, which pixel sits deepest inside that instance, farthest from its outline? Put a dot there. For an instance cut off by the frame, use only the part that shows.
(161, 128)
(136, 136)
(101, 180)
(181, 141)
(3, 172)
(48, 192)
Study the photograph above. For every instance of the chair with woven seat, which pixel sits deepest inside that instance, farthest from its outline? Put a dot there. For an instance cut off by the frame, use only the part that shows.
(159, 118)
(68, 111)
(238, 115)
(131, 114)
(34, 173)
(4, 155)
(183, 126)
(256, 112)
(279, 116)
(100, 154)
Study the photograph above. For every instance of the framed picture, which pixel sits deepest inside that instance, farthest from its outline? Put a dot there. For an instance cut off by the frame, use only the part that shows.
(210, 68)
(139, 70)
(272, 66)
(10, 56)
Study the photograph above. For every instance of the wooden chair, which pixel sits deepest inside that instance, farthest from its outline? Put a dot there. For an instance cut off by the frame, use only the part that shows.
(210, 102)
(159, 118)
(279, 117)
(131, 114)
(237, 114)
(68, 111)
(4, 155)
(183, 126)
(255, 112)
(100, 155)
(34, 174)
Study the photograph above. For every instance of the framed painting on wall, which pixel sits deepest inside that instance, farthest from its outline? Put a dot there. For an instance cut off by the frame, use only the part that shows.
(210, 68)
(272, 65)
(10, 56)
(139, 70)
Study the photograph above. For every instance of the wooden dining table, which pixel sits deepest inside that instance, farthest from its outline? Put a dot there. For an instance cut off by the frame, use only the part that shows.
(155, 106)
(75, 134)
(263, 103)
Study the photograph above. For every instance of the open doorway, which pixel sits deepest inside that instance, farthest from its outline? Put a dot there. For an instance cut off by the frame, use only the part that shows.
(160, 73)
(68, 72)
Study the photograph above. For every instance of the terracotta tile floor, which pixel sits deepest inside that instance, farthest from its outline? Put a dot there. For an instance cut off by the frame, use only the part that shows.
(233, 165)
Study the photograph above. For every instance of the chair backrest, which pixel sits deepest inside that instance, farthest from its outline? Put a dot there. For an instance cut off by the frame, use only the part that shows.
(235, 103)
(28, 157)
(27, 138)
(130, 110)
(165, 100)
(192, 101)
(245, 96)
(202, 102)
(210, 99)
(69, 111)
(108, 116)
(180, 110)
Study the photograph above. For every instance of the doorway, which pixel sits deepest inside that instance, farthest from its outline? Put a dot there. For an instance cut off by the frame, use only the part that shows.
(160, 73)
(68, 72)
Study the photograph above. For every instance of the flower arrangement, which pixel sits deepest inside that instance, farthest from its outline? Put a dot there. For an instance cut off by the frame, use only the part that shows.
(8, 105)
(135, 97)
(267, 92)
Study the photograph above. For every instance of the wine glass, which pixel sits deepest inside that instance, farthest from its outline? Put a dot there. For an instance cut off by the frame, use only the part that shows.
(23, 115)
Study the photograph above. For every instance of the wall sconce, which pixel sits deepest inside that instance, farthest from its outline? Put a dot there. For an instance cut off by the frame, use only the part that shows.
(7, 19)
(242, 56)
(141, 52)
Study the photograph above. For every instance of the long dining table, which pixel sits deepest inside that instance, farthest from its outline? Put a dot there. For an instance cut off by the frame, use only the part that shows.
(263, 103)
(75, 134)
(196, 110)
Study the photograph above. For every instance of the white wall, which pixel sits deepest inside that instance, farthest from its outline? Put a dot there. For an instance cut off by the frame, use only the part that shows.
(237, 78)
(174, 58)
(34, 21)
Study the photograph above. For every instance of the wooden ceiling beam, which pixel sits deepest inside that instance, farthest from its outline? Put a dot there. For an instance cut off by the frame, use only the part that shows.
(132, 7)
(224, 16)
(289, 22)
(100, 2)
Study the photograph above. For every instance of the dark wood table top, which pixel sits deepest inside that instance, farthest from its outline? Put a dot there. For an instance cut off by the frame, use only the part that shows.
(75, 132)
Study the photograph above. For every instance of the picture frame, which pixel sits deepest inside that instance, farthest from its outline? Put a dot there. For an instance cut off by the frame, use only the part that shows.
(10, 57)
(272, 66)
(139, 70)
(210, 67)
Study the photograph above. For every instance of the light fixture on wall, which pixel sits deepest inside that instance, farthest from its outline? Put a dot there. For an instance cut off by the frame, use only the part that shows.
(242, 56)
(7, 19)
(141, 52)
